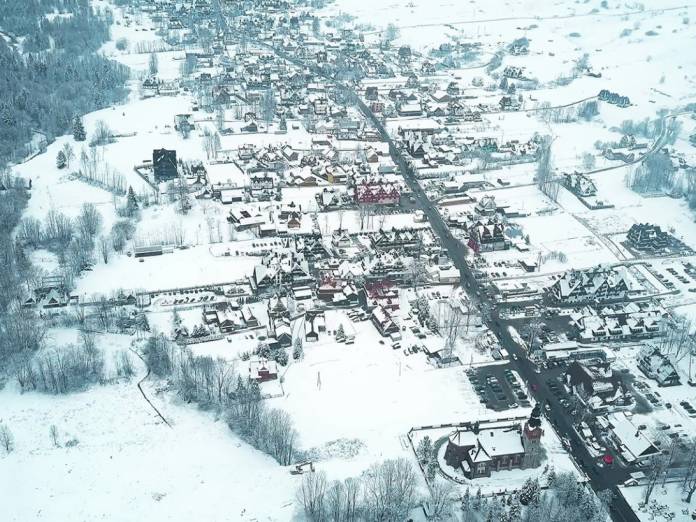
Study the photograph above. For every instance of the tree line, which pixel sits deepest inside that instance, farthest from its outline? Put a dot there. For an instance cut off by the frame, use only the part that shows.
(214, 383)
(387, 491)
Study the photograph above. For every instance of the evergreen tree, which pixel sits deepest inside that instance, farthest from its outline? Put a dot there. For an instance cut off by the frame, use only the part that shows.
(496, 511)
(132, 203)
(280, 356)
(515, 513)
(431, 469)
(79, 129)
(424, 450)
(477, 500)
(61, 161)
(466, 500)
(340, 332)
(529, 494)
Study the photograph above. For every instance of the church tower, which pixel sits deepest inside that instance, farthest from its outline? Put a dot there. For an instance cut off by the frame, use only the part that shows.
(531, 438)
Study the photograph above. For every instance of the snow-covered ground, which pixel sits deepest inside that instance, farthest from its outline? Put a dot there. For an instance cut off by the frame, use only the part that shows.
(117, 461)
(353, 404)
(666, 503)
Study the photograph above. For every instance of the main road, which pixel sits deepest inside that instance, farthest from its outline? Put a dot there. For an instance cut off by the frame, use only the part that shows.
(600, 479)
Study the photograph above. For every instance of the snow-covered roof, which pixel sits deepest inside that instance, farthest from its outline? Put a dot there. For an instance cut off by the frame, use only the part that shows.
(635, 444)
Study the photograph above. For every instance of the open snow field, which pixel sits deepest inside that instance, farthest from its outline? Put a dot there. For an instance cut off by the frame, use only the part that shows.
(127, 463)
(181, 268)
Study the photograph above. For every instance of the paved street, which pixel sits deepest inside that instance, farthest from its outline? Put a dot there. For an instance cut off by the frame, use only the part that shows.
(600, 478)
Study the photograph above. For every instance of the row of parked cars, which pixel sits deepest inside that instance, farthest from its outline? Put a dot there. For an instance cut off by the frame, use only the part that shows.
(514, 383)
(491, 391)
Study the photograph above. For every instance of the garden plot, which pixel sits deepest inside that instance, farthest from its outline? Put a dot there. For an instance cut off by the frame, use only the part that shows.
(551, 235)
(296, 136)
(168, 62)
(227, 174)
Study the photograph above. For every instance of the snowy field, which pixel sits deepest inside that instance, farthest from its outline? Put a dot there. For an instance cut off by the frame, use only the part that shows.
(124, 461)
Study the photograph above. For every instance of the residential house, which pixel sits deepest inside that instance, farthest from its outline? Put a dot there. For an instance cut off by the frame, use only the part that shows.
(579, 184)
(487, 237)
(164, 165)
(384, 322)
(648, 238)
(596, 385)
(657, 366)
(262, 370)
(377, 193)
(598, 284)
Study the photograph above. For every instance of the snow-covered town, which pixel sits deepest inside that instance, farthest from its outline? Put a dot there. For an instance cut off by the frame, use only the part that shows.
(340, 260)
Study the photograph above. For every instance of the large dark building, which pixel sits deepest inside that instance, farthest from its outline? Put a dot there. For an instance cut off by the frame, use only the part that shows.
(648, 238)
(164, 164)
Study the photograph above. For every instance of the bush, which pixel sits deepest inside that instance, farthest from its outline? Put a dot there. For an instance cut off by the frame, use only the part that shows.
(121, 232)
(122, 44)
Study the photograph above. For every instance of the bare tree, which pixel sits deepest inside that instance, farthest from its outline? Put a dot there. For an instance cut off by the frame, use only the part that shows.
(352, 487)
(104, 248)
(544, 177)
(124, 365)
(153, 64)
(268, 106)
(442, 495)
(335, 501)
(451, 325)
(29, 231)
(390, 490)
(689, 483)
(102, 135)
(20, 332)
(656, 469)
(68, 153)
(366, 213)
(211, 143)
(391, 33)
(182, 195)
(89, 220)
(7, 440)
(58, 228)
(312, 495)
(677, 341)
(53, 434)
(105, 312)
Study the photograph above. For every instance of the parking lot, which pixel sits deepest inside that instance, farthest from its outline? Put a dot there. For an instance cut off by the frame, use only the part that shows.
(498, 387)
